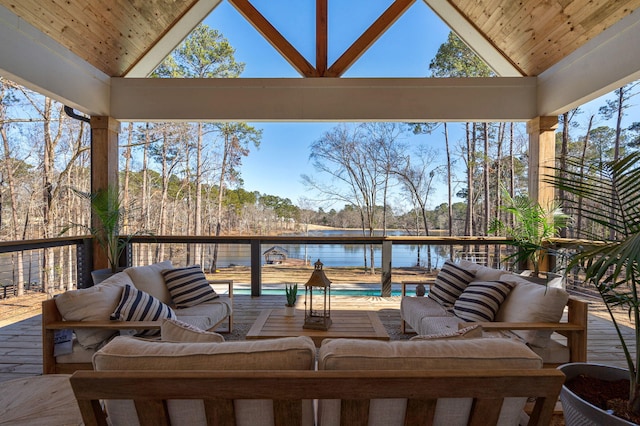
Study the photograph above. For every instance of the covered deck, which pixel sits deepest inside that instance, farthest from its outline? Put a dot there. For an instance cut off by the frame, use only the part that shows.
(21, 341)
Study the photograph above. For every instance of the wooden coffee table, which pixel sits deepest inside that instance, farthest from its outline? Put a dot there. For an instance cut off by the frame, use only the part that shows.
(272, 323)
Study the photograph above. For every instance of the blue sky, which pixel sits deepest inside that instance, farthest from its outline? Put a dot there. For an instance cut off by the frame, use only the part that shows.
(400, 52)
(405, 50)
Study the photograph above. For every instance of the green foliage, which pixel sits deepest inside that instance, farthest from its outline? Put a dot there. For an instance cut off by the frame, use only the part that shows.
(205, 53)
(533, 225)
(291, 292)
(283, 207)
(455, 59)
(107, 208)
(610, 198)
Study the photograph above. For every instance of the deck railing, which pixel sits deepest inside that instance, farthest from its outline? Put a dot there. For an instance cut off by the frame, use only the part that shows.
(64, 263)
(183, 250)
(47, 265)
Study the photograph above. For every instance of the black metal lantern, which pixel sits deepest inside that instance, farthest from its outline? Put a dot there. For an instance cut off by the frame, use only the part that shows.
(317, 300)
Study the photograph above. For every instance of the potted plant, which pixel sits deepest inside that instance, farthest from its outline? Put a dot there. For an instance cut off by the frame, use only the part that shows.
(109, 213)
(609, 197)
(291, 291)
(533, 226)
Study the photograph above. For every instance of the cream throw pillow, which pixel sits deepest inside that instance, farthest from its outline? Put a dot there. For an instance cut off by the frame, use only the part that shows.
(530, 302)
(150, 280)
(93, 304)
(173, 330)
(471, 332)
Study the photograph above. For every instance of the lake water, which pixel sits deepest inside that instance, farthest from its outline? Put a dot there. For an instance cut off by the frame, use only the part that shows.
(339, 255)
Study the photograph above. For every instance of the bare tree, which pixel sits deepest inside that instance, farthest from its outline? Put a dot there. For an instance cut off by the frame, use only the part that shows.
(417, 180)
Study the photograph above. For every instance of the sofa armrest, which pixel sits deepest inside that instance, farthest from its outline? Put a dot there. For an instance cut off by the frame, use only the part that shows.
(574, 329)
(492, 326)
(229, 284)
(52, 321)
(109, 325)
(428, 282)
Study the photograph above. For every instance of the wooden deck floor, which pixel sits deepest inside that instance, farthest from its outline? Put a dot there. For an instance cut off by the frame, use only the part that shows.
(21, 347)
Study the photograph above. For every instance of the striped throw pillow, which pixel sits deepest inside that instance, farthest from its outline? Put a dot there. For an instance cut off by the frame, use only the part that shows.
(481, 300)
(136, 305)
(450, 283)
(188, 286)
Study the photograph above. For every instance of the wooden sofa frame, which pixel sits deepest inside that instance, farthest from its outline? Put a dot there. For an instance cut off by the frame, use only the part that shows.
(52, 321)
(150, 389)
(574, 328)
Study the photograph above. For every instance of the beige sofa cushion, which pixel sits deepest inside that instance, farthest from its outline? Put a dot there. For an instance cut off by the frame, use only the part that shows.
(93, 304)
(491, 354)
(471, 332)
(206, 315)
(413, 309)
(438, 325)
(173, 330)
(150, 280)
(479, 353)
(130, 353)
(529, 302)
(482, 273)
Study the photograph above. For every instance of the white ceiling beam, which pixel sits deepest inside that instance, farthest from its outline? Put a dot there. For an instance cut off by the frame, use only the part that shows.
(600, 66)
(32, 59)
(324, 99)
(473, 38)
(156, 54)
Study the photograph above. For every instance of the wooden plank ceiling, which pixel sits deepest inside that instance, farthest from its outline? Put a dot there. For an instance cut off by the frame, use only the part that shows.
(113, 35)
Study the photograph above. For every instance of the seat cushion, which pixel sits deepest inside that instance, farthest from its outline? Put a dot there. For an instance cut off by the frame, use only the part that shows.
(438, 325)
(475, 353)
(206, 315)
(130, 353)
(471, 332)
(177, 331)
(482, 273)
(530, 302)
(150, 280)
(413, 309)
(481, 353)
(553, 353)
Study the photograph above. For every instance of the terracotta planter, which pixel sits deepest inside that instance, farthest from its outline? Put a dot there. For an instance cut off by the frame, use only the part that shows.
(577, 411)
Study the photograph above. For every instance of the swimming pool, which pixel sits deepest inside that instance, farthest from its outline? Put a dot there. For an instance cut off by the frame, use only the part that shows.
(336, 292)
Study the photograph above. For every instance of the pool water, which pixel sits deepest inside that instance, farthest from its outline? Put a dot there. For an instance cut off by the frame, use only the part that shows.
(336, 292)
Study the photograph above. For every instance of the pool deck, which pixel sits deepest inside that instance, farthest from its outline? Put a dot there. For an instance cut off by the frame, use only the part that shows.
(21, 338)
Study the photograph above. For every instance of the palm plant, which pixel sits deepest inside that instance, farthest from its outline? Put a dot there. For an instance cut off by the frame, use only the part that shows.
(107, 208)
(610, 199)
(533, 226)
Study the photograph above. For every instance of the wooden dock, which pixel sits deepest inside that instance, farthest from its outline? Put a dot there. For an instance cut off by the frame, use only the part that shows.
(21, 346)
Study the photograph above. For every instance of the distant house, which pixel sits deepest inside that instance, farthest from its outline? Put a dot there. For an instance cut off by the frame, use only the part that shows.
(275, 255)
